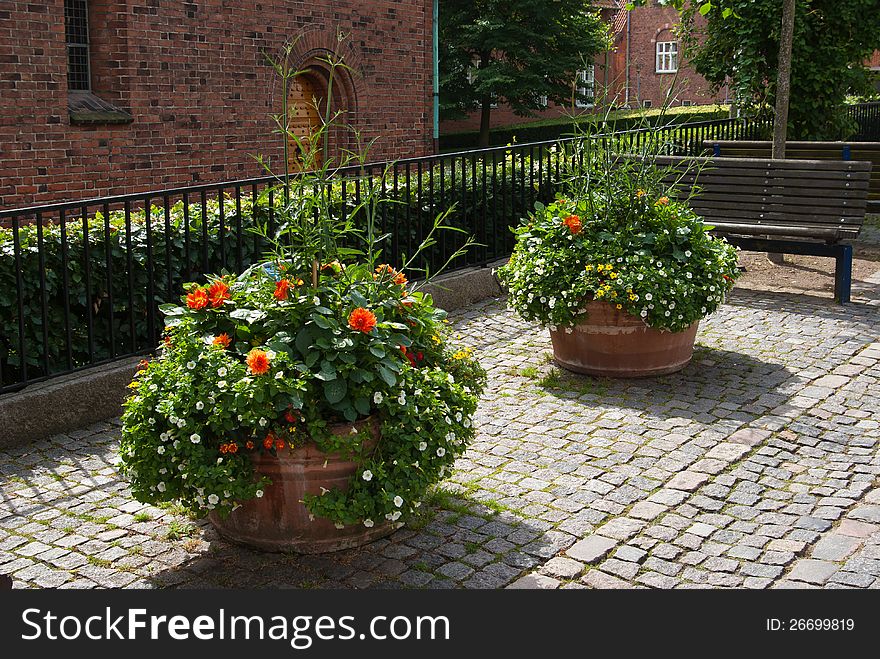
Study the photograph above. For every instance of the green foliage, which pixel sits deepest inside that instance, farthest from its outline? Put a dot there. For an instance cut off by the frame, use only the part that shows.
(514, 51)
(183, 248)
(299, 350)
(739, 44)
(551, 129)
(615, 235)
(205, 405)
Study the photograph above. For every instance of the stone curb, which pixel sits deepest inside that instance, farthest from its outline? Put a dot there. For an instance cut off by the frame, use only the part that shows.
(466, 287)
(80, 399)
(64, 403)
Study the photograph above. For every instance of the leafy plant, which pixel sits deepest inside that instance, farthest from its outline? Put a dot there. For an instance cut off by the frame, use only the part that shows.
(317, 335)
(617, 233)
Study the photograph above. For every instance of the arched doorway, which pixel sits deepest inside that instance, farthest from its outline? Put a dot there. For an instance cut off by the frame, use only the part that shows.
(304, 102)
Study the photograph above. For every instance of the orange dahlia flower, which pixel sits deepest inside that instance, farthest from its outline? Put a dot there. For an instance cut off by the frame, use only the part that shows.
(573, 222)
(281, 289)
(218, 293)
(222, 340)
(198, 299)
(362, 320)
(258, 361)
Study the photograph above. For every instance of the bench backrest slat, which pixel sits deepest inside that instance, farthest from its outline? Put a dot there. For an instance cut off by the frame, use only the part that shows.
(803, 194)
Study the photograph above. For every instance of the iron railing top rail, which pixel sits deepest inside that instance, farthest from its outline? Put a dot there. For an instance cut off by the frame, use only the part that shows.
(54, 207)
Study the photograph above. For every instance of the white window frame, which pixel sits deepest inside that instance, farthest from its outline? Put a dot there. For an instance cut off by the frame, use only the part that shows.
(543, 100)
(472, 75)
(585, 85)
(667, 57)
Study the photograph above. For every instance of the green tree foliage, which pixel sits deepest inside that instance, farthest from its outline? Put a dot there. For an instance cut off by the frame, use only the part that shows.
(739, 41)
(515, 51)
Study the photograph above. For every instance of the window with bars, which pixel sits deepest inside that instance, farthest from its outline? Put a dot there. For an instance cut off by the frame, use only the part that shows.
(667, 56)
(586, 83)
(76, 22)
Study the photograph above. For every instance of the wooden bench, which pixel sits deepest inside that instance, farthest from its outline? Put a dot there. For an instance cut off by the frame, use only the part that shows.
(865, 151)
(781, 206)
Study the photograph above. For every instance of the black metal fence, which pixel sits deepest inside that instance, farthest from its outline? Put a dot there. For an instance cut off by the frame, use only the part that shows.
(867, 116)
(80, 282)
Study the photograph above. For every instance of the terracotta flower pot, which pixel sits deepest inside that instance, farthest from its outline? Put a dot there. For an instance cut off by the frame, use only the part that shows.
(279, 521)
(612, 343)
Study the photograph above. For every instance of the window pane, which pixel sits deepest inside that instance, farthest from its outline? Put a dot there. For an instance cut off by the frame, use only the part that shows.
(76, 28)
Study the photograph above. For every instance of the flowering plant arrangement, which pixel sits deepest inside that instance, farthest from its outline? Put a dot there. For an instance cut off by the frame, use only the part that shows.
(620, 235)
(320, 333)
(263, 360)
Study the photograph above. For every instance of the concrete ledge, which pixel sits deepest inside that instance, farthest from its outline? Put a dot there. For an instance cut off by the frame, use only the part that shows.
(465, 287)
(65, 403)
(74, 401)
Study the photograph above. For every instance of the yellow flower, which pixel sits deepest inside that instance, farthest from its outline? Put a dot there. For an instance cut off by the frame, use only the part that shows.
(588, 268)
(620, 306)
(632, 297)
(464, 353)
(613, 275)
(640, 193)
(600, 293)
(436, 340)
(134, 384)
(600, 268)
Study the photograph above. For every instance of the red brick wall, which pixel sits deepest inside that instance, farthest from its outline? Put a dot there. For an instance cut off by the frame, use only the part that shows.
(647, 26)
(193, 76)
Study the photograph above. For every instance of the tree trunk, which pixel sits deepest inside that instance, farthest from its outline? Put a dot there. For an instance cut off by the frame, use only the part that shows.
(485, 111)
(783, 93)
(783, 80)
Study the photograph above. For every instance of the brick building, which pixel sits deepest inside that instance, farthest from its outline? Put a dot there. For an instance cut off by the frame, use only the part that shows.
(115, 96)
(639, 70)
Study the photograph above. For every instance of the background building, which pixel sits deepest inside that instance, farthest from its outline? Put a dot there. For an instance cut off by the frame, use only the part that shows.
(116, 96)
(643, 68)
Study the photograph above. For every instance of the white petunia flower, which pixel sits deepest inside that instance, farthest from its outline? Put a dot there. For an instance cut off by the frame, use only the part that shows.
(377, 398)
(161, 487)
(222, 371)
(398, 501)
(423, 446)
(339, 526)
(441, 452)
(195, 438)
(279, 375)
(368, 523)
(367, 475)
(190, 365)
(151, 421)
(200, 405)
(221, 384)
(160, 450)
(213, 499)
(401, 399)
(649, 297)
(263, 423)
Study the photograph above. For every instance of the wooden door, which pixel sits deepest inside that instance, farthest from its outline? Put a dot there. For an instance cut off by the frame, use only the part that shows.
(304, 120)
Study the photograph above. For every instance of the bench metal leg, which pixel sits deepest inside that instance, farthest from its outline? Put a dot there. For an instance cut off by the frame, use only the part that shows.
(843, 273)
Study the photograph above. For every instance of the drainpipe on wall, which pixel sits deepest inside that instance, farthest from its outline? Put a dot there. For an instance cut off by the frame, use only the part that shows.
(626, 84)
(436, 62)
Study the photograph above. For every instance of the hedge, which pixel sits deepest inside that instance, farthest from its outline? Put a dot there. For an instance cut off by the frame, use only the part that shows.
(548, 130)
(486, 209)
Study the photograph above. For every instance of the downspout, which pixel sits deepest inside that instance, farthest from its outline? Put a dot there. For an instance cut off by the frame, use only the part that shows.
(626, 84)
(436, 62)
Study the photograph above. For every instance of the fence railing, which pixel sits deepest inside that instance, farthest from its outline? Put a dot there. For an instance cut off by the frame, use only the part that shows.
(867, 116)
(80, 282)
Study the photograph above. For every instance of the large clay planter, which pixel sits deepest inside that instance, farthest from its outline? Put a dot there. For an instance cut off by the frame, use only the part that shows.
(615, 344)
(279, 521)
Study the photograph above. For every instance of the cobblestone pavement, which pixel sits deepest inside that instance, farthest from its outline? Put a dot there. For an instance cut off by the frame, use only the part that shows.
(757, 466)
